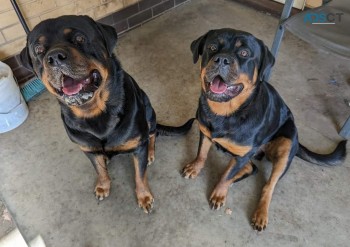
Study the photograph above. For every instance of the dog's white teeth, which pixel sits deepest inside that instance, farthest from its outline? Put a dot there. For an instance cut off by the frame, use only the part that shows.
(87, 80)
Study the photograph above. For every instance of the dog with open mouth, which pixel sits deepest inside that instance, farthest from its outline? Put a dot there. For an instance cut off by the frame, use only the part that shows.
(245, 116)
(103, 109)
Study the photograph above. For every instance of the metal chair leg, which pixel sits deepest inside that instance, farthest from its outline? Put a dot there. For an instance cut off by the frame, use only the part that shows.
(279, 32)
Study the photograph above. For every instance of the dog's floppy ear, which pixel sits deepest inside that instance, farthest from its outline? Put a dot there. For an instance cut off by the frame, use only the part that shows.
(25, 58)
(109, 35)
(197, 47)
(267, 60)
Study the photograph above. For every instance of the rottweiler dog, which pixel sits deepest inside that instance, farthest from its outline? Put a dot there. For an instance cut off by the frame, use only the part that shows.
(103, 109)
(245, 116)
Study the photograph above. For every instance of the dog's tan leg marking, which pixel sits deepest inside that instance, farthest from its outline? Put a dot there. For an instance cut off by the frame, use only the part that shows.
(151, 148)
(192, 169)
(277, 152)
(144, 196)
(103, 183)
(219, 194)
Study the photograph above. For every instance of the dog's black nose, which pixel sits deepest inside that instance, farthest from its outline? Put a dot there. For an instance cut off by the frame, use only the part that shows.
(57, 57)
(222, 60)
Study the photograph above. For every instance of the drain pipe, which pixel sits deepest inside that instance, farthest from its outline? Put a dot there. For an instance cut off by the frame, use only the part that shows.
(20, 16)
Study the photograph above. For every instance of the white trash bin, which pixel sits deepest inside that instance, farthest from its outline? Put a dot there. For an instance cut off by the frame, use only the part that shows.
(13, 108)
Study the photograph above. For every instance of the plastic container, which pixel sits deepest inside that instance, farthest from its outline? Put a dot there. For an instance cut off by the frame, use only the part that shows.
(13, 109)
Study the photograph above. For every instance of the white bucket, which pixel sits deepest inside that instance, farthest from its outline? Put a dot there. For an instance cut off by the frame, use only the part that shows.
(13, 109)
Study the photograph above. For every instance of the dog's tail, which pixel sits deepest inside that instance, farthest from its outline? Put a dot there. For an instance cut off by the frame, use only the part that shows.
(164, 130)
(331, 159)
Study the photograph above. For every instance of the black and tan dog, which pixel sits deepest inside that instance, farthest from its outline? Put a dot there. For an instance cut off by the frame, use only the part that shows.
(244, 115)
(103, 109)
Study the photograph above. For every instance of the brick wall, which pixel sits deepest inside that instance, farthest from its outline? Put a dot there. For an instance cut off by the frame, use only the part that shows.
(121, 14)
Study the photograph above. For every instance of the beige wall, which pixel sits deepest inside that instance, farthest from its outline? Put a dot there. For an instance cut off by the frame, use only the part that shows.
(12, 35)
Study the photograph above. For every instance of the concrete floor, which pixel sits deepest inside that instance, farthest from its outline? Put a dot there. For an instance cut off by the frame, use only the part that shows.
(48, 183)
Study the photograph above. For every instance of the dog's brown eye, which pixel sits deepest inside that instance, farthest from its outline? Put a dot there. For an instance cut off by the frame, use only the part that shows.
(80, 39)
(244, 53)
(39, 49)
(213, 47)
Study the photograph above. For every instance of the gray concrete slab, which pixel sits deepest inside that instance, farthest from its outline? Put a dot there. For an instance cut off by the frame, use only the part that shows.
(48, 183)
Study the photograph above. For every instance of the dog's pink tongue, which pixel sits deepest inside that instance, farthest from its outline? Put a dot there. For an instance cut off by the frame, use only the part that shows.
(218, 86)
(70, 86)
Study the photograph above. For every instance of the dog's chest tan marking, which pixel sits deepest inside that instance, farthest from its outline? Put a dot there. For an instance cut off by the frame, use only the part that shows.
(205, 130)
(229, 145)
(90, 149)
(128, 145)
(232, 147)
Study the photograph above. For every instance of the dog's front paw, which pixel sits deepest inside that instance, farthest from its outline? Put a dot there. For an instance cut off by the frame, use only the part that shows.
(260, 219)
(192, 169)
(102, 189)
(218, 197)
(145, 201)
